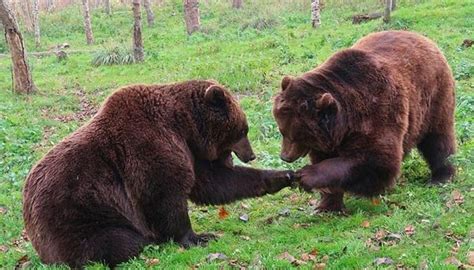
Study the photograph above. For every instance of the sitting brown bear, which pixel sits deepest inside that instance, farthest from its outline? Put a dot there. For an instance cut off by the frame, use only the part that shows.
(122, 180)
(359, 113)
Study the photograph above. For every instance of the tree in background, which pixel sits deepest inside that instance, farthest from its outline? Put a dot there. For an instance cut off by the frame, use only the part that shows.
(388, 9)
(137, 32)
(149, 13)
(49, 5)
(36, 23)
(22, 80)
(107, 8)
(237, 4)
(191, 16)
(315, 13)
(87, 22)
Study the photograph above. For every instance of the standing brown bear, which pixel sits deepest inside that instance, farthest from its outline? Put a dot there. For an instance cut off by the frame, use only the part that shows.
(122, 181)
(363, 110)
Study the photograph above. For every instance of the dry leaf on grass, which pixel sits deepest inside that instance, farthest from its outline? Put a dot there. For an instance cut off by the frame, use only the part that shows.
(22, 262)
(452, 260)
(383, 261)
(3, 210)
(375, 201)
(216, 256)
(470, 258)
(365, 224)
(313, 202)
(456, 199)
(410, 230)
(223, 213)
(244, 217)
(291, 259)
(3, 248)
(152, 262)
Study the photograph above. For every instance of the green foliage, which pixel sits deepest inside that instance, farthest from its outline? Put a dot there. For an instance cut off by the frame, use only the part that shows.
(113, 55)
(248, 50)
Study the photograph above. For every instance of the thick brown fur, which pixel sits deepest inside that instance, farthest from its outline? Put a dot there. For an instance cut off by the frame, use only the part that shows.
(122, 180)
(359, 113)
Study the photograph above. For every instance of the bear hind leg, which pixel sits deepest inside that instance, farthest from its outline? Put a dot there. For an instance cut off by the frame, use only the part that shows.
(112, 246)
(436, 148)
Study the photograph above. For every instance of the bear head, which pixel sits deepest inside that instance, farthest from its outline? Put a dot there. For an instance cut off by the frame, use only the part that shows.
(308, 117)
(222, 128)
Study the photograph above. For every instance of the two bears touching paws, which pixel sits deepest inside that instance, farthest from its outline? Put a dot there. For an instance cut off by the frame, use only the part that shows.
(123, 180)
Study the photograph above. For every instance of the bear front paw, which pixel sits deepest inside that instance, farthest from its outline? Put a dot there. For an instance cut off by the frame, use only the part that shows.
(192, 239)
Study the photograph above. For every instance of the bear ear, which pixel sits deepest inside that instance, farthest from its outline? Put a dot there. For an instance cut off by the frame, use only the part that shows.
(285, 82)
(325, 101)
(215, 95)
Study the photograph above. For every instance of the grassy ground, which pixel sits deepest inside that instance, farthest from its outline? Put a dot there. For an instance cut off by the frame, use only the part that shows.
(249, 51)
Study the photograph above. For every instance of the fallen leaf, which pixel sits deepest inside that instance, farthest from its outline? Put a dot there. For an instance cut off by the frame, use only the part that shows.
(393, 236)
(410, 230)
(244, 206)
(3, 210)
(3, 248)
(325, 259)
(319, 266)
(452, 260)
(294, 198)
(216, 256)
(423, 265)
(314, 252)
(470, 258)
(313, 202)
(375, 201)
(365, 224)
(383, 261)
(223, 213)
(246, 238)
(301, 225)
(380, 234)
(22, 262)
(152, 262)
(244, 217)
(456, 199)
(467, 43)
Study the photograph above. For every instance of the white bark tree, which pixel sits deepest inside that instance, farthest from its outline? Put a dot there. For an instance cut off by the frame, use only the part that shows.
(315, 13)
(107, 8)
(150, 17)
(138, 52)
(87, 22)
(36, 23)
(22, 80)
(191, 15)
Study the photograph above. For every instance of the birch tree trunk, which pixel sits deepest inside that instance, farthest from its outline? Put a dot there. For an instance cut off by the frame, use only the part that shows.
(388, 8)
(107, 8)
(137, 32)
(237, 4)
(49, 5)
(22, 80)
(87, 22)
(191, 16)
(36, 23)
(150, 17)
(315, 13)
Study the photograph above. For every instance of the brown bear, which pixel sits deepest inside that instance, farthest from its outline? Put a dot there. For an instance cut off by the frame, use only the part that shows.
(122, 180)
(361, 111)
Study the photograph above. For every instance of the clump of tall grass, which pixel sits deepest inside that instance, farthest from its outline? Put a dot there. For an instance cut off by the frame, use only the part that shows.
(113, 55)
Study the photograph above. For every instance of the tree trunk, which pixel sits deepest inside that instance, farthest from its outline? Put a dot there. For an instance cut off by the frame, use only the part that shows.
(107, 8)
(237, 4)
(150, 17)
(25, 13)
(394, 5)
(388, 7)
(22, 81)
(315, 13)
(49, 5)
(87, 22)
(137, 32)
(36, 23)
(191, 16)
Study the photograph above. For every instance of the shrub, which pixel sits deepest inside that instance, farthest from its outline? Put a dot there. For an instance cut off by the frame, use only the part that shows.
(114, 55)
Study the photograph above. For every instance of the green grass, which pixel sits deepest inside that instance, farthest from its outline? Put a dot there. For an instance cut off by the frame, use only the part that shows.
(249, 51)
